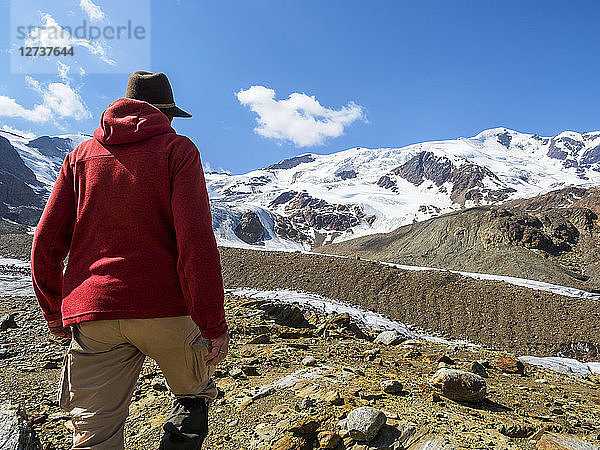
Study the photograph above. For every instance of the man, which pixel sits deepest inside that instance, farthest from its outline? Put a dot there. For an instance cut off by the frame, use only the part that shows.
(131, 209)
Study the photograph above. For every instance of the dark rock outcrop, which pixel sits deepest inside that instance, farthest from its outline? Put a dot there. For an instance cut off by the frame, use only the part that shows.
(292, 162)
(20, 201)
(52, 147)
(346, 174)
(250, 229)
(467, 179)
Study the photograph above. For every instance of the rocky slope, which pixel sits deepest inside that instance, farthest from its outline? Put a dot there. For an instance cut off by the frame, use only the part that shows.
(554, 237)
(295, 378)
(493, 313)
(28, 168)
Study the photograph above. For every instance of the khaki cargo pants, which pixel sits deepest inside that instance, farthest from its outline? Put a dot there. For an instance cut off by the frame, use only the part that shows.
(103, 364)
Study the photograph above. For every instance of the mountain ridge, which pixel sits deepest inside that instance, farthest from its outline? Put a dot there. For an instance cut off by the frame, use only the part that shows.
(311, 199)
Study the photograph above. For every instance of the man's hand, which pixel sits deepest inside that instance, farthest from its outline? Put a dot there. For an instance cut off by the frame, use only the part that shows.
(57, 329)
(218, 349)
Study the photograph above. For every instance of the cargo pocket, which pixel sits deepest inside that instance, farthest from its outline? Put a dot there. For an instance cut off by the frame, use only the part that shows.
(198, 348)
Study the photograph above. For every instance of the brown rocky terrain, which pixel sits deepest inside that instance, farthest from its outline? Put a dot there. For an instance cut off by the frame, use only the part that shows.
(493, 313)
(553, 238)
(496, 314)
(284, 387)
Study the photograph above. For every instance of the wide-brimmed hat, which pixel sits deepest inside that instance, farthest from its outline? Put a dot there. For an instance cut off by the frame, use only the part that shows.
(154, 88)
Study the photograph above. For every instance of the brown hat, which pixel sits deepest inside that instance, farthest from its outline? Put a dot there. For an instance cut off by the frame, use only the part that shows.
(154, 88)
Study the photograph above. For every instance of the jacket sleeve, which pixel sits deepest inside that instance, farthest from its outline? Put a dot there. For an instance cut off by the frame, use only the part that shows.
(198, 264)
(51, 243)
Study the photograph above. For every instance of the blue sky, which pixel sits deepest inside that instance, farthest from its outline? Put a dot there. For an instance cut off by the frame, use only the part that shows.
(385, 73)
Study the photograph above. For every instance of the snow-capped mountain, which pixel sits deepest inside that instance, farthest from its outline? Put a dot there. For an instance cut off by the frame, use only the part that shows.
(28, 168)
(313, 199)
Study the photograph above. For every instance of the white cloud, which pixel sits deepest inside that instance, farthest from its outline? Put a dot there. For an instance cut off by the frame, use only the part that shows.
(10, 108)
(59, 101)
(93, 11)
(25, 134)
(300, 119)
(51, 34)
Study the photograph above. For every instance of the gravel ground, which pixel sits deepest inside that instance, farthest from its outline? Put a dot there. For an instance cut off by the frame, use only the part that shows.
(240, 419)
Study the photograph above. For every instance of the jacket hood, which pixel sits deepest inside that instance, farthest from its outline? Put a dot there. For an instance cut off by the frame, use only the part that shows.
(126, 121)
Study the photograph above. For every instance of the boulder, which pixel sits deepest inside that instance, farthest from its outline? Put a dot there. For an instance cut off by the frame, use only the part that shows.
(518, 430)
(478, 369)
(309, 361)
(8, 321)
(364, 423)
(15, 431)
(329, 439)
(306, 426)
(553, 441)
(391, 386)
(458, 385)
(391, 337)
(509, 365)
(286, 315)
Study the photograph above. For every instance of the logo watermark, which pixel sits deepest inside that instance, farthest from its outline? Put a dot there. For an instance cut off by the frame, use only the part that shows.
(102, 37)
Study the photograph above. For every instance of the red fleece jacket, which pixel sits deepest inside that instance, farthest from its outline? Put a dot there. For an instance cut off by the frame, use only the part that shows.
(131, 208)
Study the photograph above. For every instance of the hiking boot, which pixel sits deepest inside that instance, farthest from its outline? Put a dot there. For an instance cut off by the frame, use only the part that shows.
(187, 427)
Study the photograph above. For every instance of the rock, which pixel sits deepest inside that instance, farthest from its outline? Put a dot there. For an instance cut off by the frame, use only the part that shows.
(293, 443)
(342, 320)
(8, 321)
(478, 369)
(432, 442)
(331, 397)
(364, 423)
(50, 365)
(370, 395)
(260, 339)
(459, 385)
(305, 404)
(159, 386)
(15, 432)
(445, 359)
(262, 391)
(371, 354)
(236, 373)
(328, 439)
(517, 430)
(306, 426)
(407, 430)
(509, 365)
(390, 337)
(309, 361)
(286, 315)
(4, 353)
(250, 371)
(553, 441)
(250, 229)
(391, 387)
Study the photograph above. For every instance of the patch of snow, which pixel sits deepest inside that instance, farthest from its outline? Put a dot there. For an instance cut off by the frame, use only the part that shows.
(567, 366)
(522, 282)
(368, 319)
(379, 322)
(14, 262)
